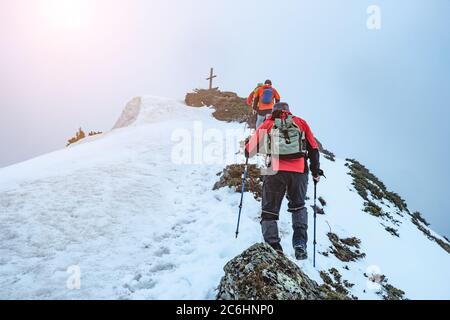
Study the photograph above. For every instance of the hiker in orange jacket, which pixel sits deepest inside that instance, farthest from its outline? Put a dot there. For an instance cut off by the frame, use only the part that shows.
(264, 99)
(251, 96)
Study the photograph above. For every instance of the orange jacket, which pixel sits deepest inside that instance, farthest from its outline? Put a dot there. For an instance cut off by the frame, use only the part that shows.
(252, 95)
(276, 98)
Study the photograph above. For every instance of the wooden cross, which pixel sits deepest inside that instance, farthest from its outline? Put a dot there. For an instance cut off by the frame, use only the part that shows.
(211, 77)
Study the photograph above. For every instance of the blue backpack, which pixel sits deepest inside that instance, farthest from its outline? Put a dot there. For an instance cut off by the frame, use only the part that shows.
(267, 96)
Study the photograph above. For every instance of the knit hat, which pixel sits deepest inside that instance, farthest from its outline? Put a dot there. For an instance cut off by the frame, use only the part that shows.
(282, 106)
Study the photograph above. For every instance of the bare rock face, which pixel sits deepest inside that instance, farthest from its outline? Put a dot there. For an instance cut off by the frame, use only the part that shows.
(260, 273)
(130, 113)
(228, 105)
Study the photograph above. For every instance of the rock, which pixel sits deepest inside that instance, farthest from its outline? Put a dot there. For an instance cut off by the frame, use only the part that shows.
(390, 292)
(322, 201)
(231, 177)
(426, 231)
(319, 210)
(228, 105)
(369, 186)
(334, 283)
(347, 249)
(326, 153)
(393, 231)
(387, 291)
(259, 273)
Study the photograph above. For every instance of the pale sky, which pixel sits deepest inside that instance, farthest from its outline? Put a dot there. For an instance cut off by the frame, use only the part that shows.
(378, 96)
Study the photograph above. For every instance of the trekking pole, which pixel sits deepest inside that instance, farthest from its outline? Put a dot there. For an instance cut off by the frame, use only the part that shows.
(244, 178)
(315, 218)
(321, 174)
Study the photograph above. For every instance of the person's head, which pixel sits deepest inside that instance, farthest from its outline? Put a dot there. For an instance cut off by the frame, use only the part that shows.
(260, 84)
(268, 82)
(279, 109)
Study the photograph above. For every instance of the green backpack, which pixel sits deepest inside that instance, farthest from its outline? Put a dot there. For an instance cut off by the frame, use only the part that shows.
(285, 141)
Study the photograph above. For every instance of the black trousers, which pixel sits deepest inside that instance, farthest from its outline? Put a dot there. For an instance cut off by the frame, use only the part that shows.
(294, 185)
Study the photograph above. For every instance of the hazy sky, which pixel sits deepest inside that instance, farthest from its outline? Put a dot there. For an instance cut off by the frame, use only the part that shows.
(379, 96)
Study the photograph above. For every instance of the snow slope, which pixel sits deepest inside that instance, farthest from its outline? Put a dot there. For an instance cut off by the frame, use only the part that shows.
(141, 226)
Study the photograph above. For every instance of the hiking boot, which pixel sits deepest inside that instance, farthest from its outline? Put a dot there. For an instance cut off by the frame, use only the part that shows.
(300, 253)
(277, 247)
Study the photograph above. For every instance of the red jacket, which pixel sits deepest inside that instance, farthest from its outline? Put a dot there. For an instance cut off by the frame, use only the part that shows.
(291, 165)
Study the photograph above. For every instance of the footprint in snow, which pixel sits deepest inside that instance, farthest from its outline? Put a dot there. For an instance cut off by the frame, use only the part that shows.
(162, 267)
(140, 282)
(162, 251)
(162, 237)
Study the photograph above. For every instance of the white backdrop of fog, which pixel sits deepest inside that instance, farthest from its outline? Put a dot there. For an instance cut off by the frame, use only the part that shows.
(377, 96)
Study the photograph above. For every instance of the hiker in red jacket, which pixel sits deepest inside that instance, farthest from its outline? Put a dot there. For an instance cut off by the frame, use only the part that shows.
(290, 142)
(263, 99)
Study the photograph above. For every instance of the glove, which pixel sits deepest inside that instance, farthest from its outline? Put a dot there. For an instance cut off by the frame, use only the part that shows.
(317, 175)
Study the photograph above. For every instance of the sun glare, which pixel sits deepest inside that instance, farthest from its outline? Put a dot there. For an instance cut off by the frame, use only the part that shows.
(69, 14)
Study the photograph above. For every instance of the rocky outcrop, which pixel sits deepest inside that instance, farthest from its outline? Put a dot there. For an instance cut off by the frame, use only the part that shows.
(347, 249)
(228, 105)
(326, 153)
(231, 177)
(386, 290)
(444, 243)
(260, 273)
(369, 187)
(334, 283)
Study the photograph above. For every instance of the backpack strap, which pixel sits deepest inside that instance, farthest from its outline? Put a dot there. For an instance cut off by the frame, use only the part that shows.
(285, 132)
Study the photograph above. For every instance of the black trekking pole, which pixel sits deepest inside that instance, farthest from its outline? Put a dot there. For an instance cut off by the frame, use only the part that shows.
(315, 219)
(321, 174)
(244, 178)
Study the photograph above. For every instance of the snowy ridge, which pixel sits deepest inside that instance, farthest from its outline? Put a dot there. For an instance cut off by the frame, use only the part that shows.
(406, 261)
(142, 227)
(149, 109)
